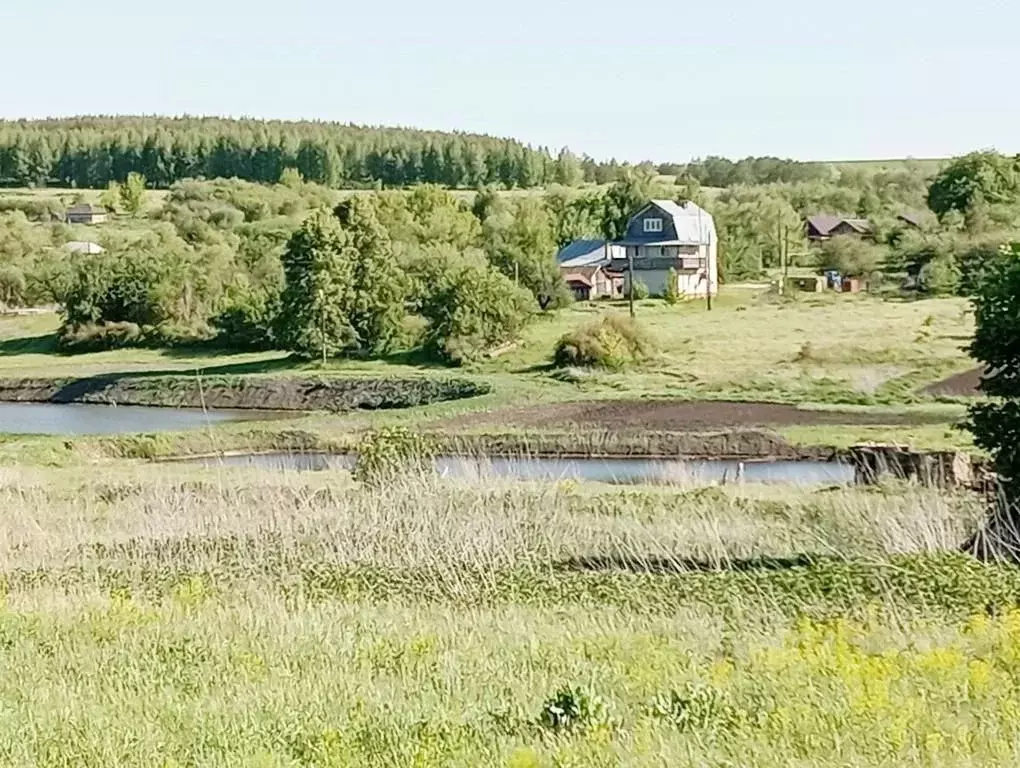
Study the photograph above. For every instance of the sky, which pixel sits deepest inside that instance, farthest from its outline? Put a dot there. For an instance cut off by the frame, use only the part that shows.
(660, 80)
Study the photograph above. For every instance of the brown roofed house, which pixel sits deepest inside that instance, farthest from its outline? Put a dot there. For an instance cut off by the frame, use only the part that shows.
(824, 226)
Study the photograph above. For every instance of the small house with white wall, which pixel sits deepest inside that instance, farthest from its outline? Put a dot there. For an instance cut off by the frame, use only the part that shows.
(586, 269)
(663, 236)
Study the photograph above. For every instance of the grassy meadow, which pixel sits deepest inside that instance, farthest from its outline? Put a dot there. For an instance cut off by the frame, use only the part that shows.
(824, 348)
(817, 351)
(178, 616)
(166, 614)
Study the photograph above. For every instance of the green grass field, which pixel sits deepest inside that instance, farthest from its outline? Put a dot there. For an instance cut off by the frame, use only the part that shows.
(174, 616)
(844, 352)
(824, 349)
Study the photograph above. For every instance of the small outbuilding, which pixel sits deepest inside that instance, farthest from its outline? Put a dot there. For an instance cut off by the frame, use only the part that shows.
(82, 246)
(86, 213)
(585, 266)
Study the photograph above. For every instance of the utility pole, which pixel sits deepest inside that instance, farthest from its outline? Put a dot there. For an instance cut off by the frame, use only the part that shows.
(786, 253)
(779, 252)
(708, 273)
(706, 261)
(322, 326)
(630, 278)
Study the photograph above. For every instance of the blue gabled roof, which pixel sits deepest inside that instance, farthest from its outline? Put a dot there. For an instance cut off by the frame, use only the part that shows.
(585, 253)
(581, 252)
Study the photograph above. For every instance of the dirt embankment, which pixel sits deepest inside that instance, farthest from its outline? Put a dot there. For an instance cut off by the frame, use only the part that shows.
(731, 444)
(259, 393)
(966, 384)
(677, 416)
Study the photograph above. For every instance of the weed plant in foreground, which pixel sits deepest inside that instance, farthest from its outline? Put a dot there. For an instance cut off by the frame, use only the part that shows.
(175, 617)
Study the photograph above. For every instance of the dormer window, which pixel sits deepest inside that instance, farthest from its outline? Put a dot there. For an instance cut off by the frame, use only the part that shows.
(653, 225)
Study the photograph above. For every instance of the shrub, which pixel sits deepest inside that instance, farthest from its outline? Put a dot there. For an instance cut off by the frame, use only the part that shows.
(391, 452)
(672, 294)
(248, 322)
(12, 286)
(470, 307)
(640, 290)
(97, 337)
(940, 276)
(850, 256)
(613, 343)
(573, 708)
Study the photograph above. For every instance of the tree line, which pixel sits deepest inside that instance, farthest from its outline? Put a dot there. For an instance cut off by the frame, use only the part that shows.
(90, 152)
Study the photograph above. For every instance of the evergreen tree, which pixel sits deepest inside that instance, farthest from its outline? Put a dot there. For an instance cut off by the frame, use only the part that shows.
(377, 287)
(132, 194)
(317, 268)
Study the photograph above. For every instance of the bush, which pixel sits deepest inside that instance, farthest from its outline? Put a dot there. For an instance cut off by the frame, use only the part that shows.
(640, 291)
(98, 337)
(12, 286)
(573, 708)
(470, 307)
(389, 453)
(613, 343)
(940, 277)
(850, 256)
(672, 293)
(248, 322)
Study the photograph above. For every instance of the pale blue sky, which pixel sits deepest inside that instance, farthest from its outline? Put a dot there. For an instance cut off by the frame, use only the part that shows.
(659, 79)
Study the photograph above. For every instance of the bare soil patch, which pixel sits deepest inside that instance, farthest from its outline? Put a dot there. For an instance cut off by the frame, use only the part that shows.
(239, 392)
(676, 416)
(966, 384)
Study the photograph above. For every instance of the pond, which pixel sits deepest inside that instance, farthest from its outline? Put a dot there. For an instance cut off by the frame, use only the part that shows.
(606, 470)
(91, 419)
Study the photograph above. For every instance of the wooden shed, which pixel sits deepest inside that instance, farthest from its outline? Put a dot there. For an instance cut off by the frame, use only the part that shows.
(808, 284)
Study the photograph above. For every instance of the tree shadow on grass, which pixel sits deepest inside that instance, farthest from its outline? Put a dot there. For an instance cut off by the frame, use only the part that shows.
(45, 344)
(680, 565)
(413, 358)
(87, 385)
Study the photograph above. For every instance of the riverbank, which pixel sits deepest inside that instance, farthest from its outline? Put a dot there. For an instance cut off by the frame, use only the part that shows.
(263, 393)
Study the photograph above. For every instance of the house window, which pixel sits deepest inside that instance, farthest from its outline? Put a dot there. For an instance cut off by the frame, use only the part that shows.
(653, 225)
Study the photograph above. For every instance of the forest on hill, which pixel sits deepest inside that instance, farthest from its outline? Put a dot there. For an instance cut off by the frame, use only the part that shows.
(90, 152)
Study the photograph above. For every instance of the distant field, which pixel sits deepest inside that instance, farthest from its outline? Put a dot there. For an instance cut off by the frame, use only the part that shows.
(930, 165)
(154, 197)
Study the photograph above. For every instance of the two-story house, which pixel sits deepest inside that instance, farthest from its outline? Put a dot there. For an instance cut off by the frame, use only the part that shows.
(665, 236)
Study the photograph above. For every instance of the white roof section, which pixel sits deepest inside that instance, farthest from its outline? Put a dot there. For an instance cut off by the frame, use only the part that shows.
(81, 246)
(694, 225)
(588, 253)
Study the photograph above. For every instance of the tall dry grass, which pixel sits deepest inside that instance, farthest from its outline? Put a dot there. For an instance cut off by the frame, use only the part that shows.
(424, 522)
(167, 616)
